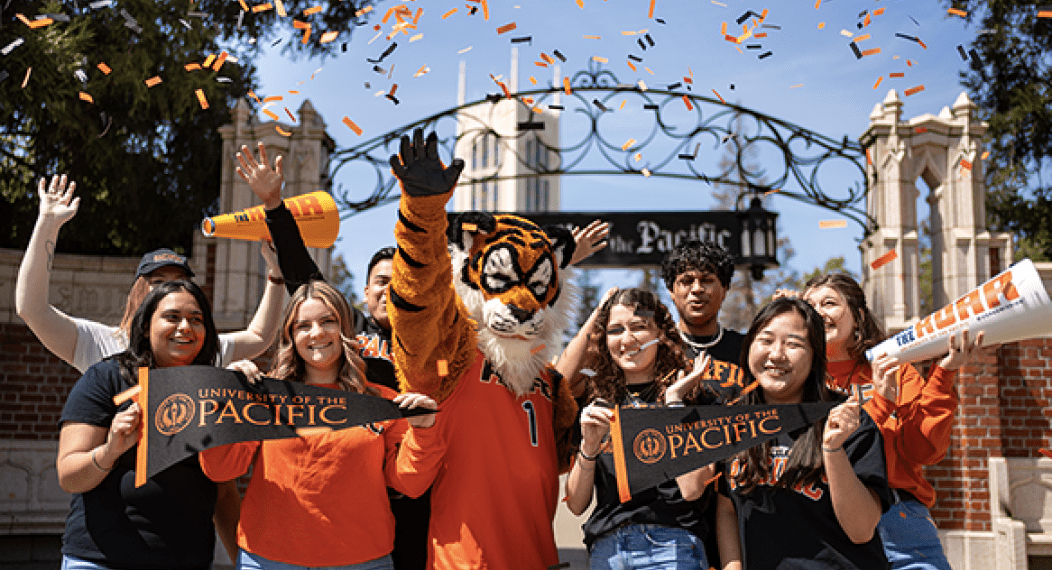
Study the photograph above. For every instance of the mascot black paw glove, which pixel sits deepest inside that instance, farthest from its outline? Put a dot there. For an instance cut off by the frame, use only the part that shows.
(420, 170)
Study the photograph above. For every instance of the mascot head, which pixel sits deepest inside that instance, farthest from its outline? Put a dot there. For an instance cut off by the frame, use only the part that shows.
(512, 277)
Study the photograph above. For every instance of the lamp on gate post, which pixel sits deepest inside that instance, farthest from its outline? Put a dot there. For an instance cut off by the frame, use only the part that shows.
(759, 240)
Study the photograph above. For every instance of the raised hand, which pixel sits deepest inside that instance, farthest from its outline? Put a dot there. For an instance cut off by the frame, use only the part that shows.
(843, 420)
(589, 240)
(685, 383)
(264, 181)
(249, 369)
(56, 201)
(419, 168)
(595, 425)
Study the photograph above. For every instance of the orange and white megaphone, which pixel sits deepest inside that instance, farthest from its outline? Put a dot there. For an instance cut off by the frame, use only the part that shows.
(315, 213)
(1012, 306)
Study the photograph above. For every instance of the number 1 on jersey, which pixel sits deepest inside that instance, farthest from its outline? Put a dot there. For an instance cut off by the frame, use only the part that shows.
(532, 416)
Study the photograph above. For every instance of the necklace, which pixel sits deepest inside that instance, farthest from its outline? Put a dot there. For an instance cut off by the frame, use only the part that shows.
(643, 395)
(699, 346)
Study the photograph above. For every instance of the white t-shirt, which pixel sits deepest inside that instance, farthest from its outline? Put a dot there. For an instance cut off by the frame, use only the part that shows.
(96, 341)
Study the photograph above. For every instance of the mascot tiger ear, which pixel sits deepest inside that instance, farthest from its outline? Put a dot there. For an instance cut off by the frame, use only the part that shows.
(563, 244)
(463, 230)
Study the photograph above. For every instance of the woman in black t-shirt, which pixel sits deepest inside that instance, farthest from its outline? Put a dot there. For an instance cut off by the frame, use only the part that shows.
(167, 522)
(809, 499)
(633, 352)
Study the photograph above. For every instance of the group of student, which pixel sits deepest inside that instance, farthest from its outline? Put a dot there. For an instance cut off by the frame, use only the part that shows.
(846, 492)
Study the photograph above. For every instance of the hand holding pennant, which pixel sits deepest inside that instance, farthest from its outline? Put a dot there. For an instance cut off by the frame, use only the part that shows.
(653, 445)
(187, 409)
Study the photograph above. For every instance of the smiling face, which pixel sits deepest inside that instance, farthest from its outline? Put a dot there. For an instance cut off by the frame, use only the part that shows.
(315, 331)
(626, 333)
(698, 296)
(836, 315)
(177, 330)
(376, 292)
(780, 358)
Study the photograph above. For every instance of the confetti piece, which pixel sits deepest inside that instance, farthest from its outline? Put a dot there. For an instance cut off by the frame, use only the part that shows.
(986, 155)
(956, 12)
(718, 96)
(533, 80)
(588, 372)
(599, 59)
(330, 36)
(648, 70)
(686, 101)
(129, 394)
(765, 55)
(105, 69)
(282, 131)
(153, 81)
(861, 38)
(631, 66)
(913, 90)
(965, 164)
(485, 10)
(599, 105)
(960, 50)
(11, 46)
(306, 36)
(422, 71)
(878, 12)
(219, 61)
(506, 28)
(201, 98)
(896, 75)
(262, 8)
(873, 51)
(85, 97)
(854, 48)
(817, 4)
(192, 66)
(1044, 14)
(443, 368)
(846, 33)
(244, 7)
(723, 29)
(642, 86)
(309, 431)
(877, 84)
(208, 60)
(271, 114)
(831, 224)
(628, 143)
(312, 10)
(42, 22)
(448, 14)
(883, 260)
(650, 12)
(547, 58)
(760, 35)
(797, 85)
(580, 4)
(566, 86)
(26, 80)
(289, 113)
(465, 50)
(718, 3)
(351, 125)
(273, 98)
(1045, 452)
(537, 349)
(821, 25)
(559, 55)
(412, 39)
(646, 173)
(593, 37)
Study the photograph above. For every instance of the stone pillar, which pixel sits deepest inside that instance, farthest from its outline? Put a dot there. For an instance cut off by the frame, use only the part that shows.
(235, 269)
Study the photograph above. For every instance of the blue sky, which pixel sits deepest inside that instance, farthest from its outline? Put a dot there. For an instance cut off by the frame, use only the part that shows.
(812, 79)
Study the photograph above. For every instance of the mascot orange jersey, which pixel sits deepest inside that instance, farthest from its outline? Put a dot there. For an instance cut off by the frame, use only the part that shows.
(475, 319)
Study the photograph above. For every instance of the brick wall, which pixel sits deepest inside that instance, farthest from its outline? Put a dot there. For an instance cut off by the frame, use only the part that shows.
(1004, 412)
(33, 386)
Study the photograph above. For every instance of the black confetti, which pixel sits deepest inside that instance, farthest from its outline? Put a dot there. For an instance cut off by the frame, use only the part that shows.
(392, 98)
(745, 16)
(915, 21)
(524, 39)
(600, 105)
(559, 55)
(390, 49)
(675, 86)
(753, 46)
(641, 44)
(650, 40)
(960, 50)
(650, 107)
(905, 37)
(556, 107)
(771, 27)
(854, 48)
(635, 58)
(765, 54)
(660, 21)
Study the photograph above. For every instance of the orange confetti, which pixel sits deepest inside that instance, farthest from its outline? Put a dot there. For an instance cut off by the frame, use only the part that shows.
(85, 97)
(129, 394)
(262, 8)
(629, 62)
(449, 13)
(289, 113)
(328, 37)
(192, 66)
(863, 37)
(105, 69)
(282, 131)
(896, 75)
(209, 60)
(41, 23)
(650, 13)
(547, 58)
(219, 61)
(580, 4)
(26, 80)
(913, 90)
(273, 98)
(873, 51)
(817, 4)
(599, 59)
(877, 84)
(760, 35)
(628, 143)
(718, 96)
(540, 64)
(884, 260)
(506, 28)
(537, 349)
(533, 80)
(351, 125)
(922, 44)
(686, 101)
(1044, 14)
(485, 10)
(243, 5)
(469, 227)
(294, 92)
(201, 98)
(878, 12)
(306, 36)
(312, 10)
(867, 21)
(831, 224)
(593, 37)
(986, 155)
(967, 165)
(723, 29)
(956, 12)
(280, 7)
(443, 368)
(566, 86)
(153, 81)
(271, 114)
(821, 25)
(300, 25)
(24, 19)
(1045, 452)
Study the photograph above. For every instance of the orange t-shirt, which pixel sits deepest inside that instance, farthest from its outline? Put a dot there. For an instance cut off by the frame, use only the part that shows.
(321, 500)
(916, 429)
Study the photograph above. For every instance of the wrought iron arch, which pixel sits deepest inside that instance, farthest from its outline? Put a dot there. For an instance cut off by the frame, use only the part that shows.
(802, 153)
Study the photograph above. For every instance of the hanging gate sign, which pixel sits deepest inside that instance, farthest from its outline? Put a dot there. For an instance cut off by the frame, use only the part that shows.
(187, 409)
(653, 444)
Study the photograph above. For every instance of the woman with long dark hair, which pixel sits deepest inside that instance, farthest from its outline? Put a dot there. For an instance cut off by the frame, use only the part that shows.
(167, 522)
(320, 500)
(634, 356)
(809, 498)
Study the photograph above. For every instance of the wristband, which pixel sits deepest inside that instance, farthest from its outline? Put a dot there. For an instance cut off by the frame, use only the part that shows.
(587, 457)
(827, 450)
(96, 462)
(275, 280)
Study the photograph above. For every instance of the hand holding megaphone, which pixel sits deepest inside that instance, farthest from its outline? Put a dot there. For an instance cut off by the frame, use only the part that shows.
(885, 368)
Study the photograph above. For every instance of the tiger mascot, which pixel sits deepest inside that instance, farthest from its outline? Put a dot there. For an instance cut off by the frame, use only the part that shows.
(475, 320)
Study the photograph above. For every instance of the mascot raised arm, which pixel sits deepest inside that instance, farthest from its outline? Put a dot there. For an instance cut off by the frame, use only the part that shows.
(475, 320)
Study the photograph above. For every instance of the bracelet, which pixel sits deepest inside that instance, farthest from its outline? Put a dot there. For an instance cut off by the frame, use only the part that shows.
(96, 462)
(275, 280)
(587, 457)
(827, 450)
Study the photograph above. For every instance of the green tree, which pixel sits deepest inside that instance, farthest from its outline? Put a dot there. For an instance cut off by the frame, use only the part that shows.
(1010, 82)
(836, 264)
(146, 159)
(343, 280)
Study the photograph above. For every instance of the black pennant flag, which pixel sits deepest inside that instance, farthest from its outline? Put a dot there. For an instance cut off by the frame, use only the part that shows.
(656, 444)
(187, 409)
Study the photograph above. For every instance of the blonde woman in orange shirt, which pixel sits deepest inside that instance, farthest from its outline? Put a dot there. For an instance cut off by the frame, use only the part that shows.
(321, 500)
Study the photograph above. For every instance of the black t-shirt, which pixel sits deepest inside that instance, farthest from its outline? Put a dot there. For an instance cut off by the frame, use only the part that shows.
(165, 524)
(727, 371)
(663, 504)
(790, 529)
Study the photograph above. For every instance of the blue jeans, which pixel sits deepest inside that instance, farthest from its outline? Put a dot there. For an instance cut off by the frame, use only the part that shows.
(911, 541)
(249, 561)
(648, 547)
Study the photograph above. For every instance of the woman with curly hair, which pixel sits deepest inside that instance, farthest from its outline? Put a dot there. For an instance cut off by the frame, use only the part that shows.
(633, 352)
(810, 498)
(320, 500)
(915, 414)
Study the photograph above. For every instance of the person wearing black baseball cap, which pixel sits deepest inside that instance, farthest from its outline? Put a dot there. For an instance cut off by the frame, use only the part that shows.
(81, 342)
